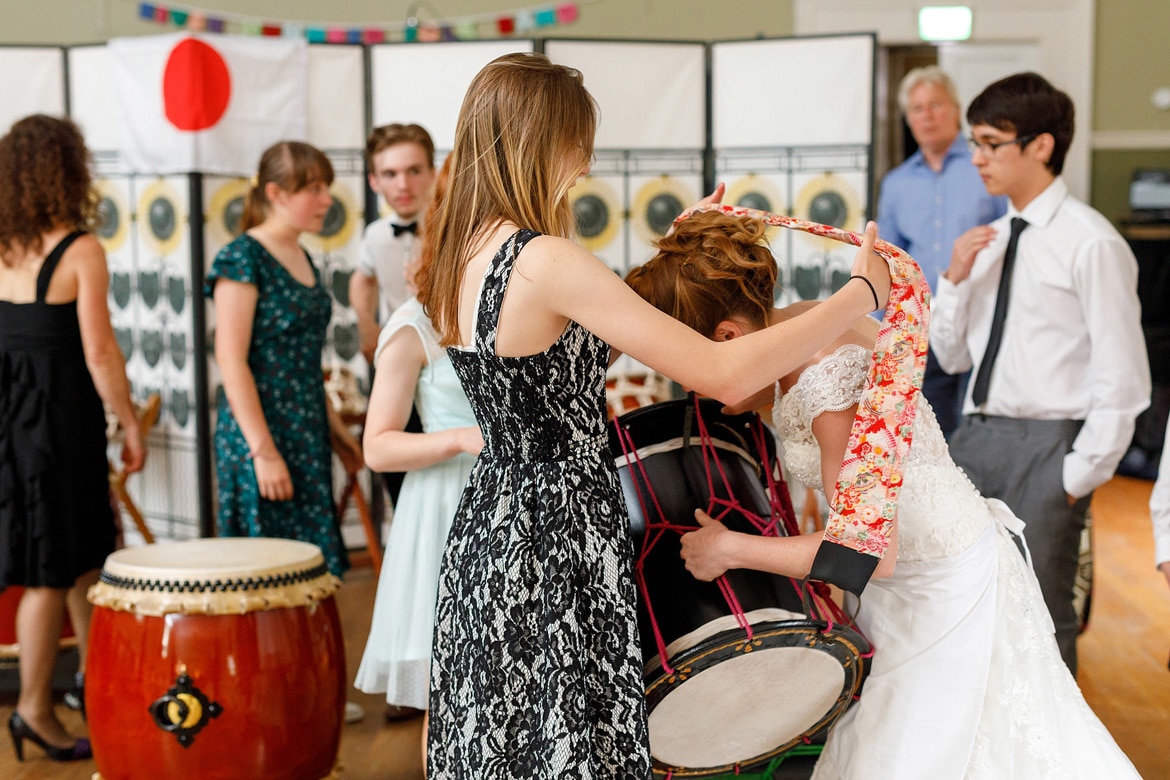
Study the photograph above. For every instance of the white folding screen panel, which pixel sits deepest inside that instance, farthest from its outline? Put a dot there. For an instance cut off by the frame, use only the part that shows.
(337, 97)
(648, 162)
(792, 91)
(32, 81)
(648, 166)
(91, 97)
(791, 144)
(425, 84)
(651, 95)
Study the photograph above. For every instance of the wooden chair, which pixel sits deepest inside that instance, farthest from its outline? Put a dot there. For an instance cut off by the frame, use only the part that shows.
(341, 390)
(148, 414)
(353, 491)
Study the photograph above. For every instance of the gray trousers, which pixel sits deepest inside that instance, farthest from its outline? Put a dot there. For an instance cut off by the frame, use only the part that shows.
(1021, 463)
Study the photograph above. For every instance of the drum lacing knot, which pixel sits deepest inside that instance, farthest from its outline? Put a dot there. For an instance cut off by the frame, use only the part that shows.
(216, 586)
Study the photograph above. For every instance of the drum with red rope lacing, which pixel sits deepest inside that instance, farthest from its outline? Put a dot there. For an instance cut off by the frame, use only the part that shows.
(743, 669)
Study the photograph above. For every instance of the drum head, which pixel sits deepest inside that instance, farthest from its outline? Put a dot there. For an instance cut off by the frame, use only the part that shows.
(214, 576)
(733, 703)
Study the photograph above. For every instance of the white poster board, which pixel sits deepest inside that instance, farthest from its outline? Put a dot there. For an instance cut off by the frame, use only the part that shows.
(425, 83)
(337, 105)
(650, 95)
(91, 97)
(815, 91)
(32, 81)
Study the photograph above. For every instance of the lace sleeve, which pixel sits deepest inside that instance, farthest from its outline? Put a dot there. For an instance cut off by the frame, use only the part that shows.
(833, 384)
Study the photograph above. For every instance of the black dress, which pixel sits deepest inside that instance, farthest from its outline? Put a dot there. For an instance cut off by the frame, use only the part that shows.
(56, 521)
(537, 667)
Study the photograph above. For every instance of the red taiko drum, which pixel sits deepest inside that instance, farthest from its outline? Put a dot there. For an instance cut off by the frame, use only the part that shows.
(215, 658)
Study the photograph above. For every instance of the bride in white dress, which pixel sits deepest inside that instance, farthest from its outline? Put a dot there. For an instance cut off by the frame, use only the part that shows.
(966, 679)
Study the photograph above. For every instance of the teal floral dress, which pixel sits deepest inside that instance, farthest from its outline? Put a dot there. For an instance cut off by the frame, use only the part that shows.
(288, 333)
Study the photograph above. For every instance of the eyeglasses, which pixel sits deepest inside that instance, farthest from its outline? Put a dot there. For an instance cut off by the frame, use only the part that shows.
(989, 148)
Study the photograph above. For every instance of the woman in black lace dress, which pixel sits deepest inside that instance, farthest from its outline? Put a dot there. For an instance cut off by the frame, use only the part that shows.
(536, 670)
(58, 362)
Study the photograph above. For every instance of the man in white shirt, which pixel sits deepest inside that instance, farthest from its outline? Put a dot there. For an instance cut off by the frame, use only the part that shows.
(401, 160)
(1055, 345)
(1160, 513)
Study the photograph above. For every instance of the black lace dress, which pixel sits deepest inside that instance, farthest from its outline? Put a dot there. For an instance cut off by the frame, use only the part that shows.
(537, 667)
(56, 521)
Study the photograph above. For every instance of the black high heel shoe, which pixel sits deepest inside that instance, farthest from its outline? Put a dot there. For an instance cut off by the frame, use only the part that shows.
(20, 731)
(75, 696)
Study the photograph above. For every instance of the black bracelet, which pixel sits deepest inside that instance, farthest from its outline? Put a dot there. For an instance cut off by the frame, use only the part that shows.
(869, 284)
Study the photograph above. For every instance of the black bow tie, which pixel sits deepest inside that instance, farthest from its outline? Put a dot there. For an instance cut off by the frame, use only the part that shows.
(409, 227)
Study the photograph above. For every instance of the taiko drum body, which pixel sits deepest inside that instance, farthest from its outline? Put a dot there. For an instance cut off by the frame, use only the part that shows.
(216, 658)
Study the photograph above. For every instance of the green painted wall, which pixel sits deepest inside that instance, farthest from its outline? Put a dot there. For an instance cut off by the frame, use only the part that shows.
(1132, 60)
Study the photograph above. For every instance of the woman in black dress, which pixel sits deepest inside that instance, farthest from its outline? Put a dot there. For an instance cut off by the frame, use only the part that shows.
(536, 670)
(59, 361)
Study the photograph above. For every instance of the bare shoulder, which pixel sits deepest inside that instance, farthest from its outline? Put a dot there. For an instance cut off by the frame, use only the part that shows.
(86, 253)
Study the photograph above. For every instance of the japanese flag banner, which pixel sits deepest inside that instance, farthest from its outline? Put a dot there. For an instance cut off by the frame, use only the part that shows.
(206, 103)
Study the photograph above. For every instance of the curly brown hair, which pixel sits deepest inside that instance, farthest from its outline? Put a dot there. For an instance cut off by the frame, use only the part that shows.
(711, 268)
(45, 183)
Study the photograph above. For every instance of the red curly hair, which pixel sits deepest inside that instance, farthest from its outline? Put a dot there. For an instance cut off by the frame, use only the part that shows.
(710, 268)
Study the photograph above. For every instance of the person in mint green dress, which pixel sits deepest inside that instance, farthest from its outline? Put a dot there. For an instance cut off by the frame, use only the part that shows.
(272, 439)
(413, 368)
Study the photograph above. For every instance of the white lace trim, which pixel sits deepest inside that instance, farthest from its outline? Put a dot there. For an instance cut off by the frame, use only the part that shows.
(939, 512)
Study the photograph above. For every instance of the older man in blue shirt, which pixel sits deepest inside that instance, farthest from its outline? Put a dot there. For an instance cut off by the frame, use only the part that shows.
(930, 200)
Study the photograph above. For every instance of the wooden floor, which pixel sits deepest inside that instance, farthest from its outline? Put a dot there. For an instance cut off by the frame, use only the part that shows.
(1124, 656)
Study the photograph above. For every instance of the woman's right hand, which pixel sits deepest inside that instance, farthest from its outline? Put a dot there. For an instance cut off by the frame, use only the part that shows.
(133, 450)
(272, 475)
(702, 549)
(872, 266)
(470, 439)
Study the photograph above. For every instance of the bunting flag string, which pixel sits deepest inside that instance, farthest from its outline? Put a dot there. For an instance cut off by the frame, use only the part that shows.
(411, 30)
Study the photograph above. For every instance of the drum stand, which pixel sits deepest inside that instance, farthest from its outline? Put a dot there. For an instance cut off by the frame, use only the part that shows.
(147, 417)
(353, 490)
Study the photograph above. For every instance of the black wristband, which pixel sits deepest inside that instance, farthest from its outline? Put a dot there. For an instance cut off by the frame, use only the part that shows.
(869, 284)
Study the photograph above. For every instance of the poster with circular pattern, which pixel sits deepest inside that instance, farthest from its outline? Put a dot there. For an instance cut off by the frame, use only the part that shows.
(657, 203)
(160, 216)
(113, 217)
(225, 211)
(597, 211)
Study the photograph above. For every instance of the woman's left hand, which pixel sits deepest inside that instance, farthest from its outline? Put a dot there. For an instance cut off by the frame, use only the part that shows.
(703, 549)
(716, 196)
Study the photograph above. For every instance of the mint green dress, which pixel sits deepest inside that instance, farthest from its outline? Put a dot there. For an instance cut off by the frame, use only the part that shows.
(397, 660)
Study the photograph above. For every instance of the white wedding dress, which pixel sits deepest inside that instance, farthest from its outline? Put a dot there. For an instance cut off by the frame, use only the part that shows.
(966, 680)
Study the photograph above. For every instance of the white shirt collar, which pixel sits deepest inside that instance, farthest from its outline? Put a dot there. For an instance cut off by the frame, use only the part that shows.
(1045, 205)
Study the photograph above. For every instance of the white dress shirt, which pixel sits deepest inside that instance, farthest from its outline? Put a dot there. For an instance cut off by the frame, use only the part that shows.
(1072, 347)
(384, 257)
(1160, 508)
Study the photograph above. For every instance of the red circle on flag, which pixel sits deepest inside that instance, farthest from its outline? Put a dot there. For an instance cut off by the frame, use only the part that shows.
(196, 86)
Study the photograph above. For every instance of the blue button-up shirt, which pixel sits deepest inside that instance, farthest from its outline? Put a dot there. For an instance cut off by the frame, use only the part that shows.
(924, 212)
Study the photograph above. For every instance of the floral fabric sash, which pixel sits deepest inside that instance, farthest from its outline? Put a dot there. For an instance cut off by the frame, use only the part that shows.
(866, 499)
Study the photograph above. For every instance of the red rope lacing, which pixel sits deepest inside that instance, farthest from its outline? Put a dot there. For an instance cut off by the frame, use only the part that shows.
(780, 506)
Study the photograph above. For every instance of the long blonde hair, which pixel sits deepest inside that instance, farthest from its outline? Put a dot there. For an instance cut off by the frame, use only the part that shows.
(524, 133)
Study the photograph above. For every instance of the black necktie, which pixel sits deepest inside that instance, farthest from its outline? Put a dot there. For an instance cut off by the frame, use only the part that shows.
(409, 227)
(983, 378)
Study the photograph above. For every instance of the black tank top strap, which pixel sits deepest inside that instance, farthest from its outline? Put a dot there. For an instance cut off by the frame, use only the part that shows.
(495, 285)
(51, 261)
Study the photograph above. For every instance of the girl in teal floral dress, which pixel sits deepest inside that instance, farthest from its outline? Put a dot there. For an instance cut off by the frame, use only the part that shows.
(272, 438)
